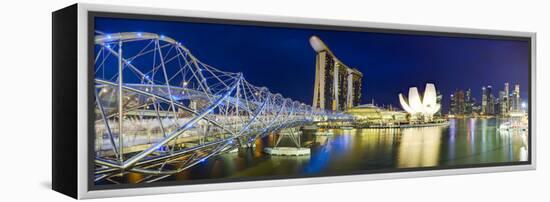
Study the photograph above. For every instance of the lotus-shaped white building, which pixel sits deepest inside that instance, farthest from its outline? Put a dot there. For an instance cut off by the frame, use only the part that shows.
(416, 105)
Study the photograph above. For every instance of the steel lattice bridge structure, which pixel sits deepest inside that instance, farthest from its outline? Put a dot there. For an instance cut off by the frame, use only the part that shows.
(159, 110)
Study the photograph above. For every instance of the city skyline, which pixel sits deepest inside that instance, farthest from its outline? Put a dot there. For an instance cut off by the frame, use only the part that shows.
(391, 63)
(500, 101)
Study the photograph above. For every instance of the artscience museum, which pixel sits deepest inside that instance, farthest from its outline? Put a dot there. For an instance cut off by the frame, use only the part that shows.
(421, 107)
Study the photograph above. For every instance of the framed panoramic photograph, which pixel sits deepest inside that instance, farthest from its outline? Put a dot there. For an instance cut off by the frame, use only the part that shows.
(150, 101)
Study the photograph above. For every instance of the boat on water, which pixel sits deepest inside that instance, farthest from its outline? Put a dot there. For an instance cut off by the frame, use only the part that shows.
(512, 126)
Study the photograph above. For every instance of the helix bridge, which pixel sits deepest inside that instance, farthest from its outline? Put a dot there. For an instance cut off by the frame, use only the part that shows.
(159, 110)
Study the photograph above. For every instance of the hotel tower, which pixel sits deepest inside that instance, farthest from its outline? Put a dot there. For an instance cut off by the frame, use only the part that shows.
(337, 86)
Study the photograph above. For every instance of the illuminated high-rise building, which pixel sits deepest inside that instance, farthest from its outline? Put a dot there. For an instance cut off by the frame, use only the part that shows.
(458, 103)
(516, 100)
(337, 86)
(490, 101)
(469, 102)
(507, 89)
(483, 100)
(355, 78)
(487, 101)
(507, 96)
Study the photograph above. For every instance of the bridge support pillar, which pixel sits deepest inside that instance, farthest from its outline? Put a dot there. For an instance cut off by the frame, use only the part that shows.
(297, 150)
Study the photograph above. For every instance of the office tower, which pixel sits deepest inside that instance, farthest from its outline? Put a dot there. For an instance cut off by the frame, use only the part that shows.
(483, 100)
(487, 101)
(490, 110)
(469, 102)
(507, 88)
(516, 101)
(453, 105)
(507, 102)
(337, 86)
(502, 103)
(458, 102)
(461, 102)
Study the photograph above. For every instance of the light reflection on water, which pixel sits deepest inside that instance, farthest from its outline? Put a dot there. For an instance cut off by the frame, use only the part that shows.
(463, 142)
(419, 147)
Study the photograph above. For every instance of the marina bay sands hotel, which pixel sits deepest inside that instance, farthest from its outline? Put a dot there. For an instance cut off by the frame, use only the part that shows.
(337, 86)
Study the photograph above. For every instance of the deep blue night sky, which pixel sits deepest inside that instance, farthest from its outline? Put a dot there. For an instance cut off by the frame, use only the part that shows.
(282, 59)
